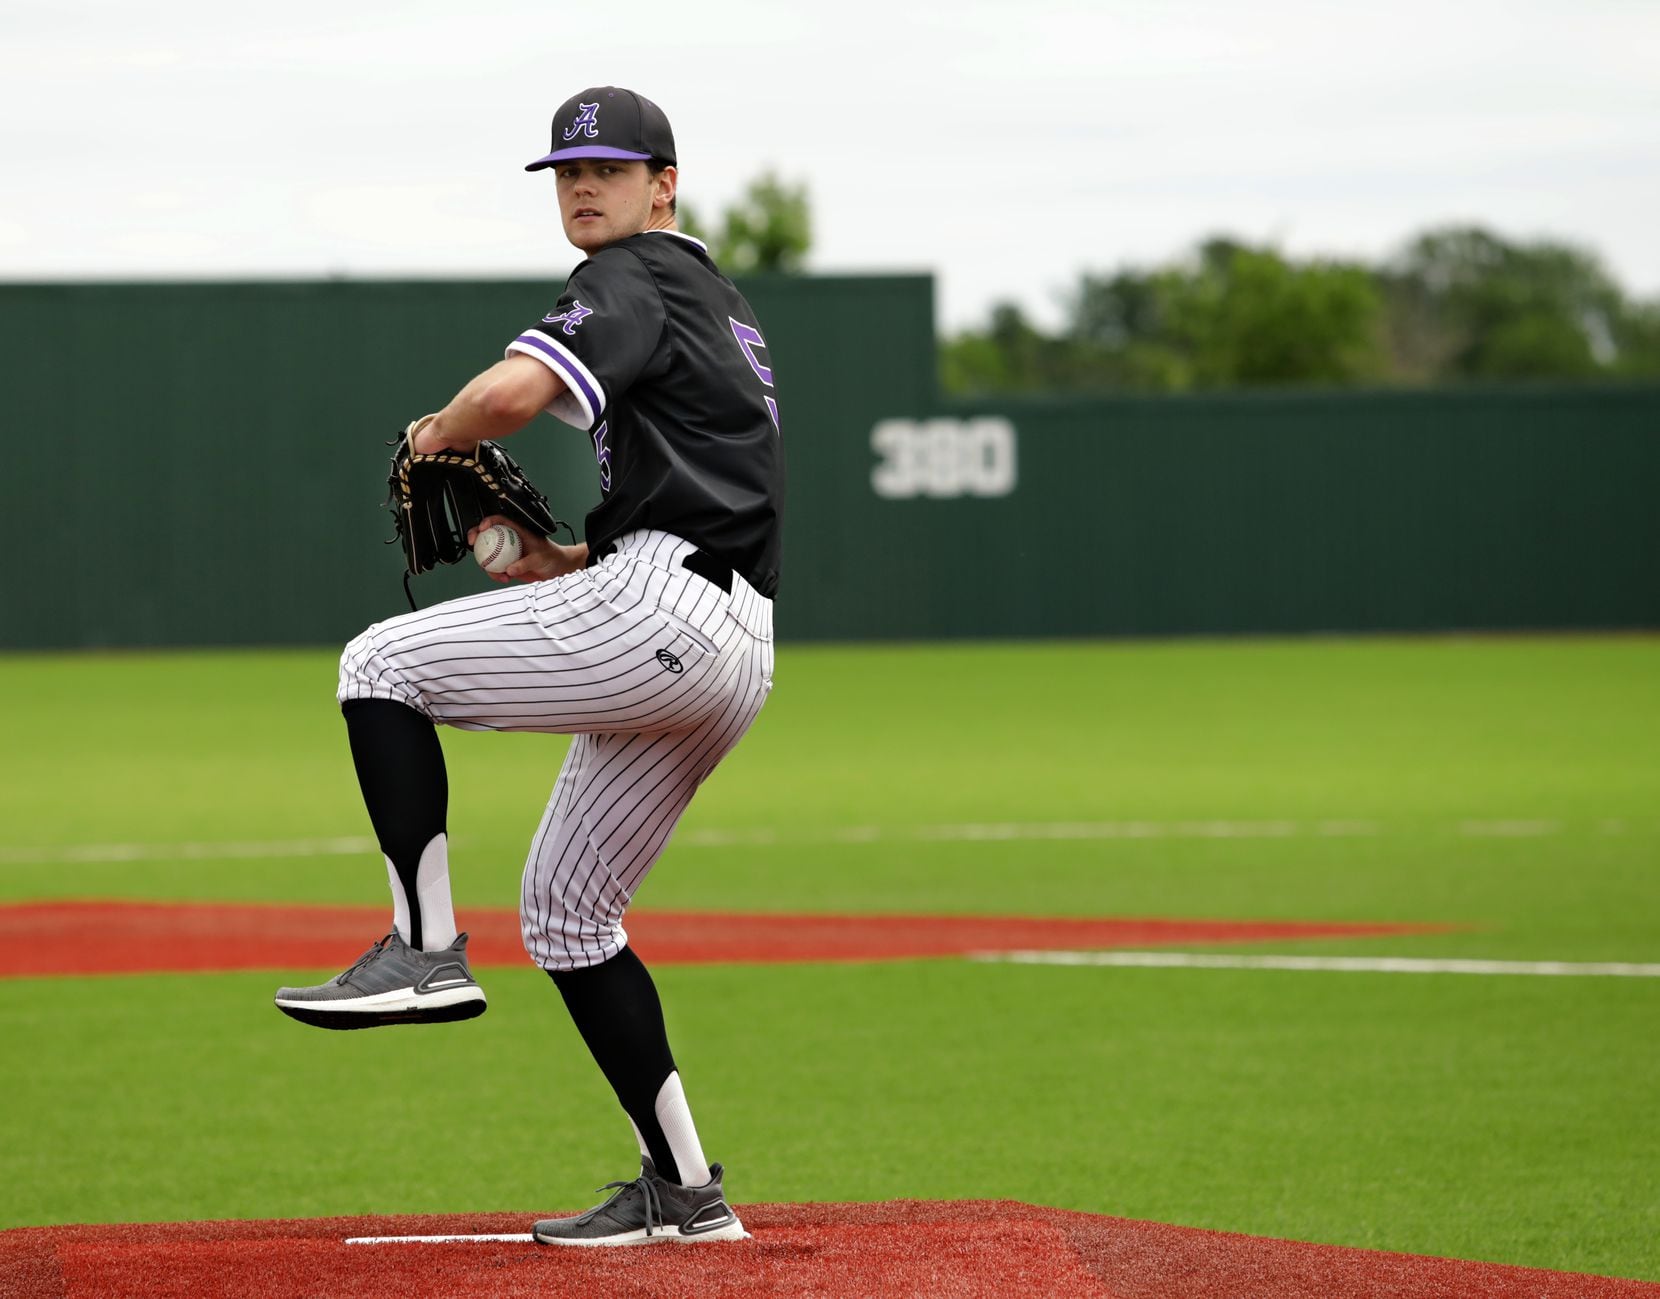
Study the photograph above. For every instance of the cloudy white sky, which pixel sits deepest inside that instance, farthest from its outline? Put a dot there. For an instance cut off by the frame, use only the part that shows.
(1003, 145)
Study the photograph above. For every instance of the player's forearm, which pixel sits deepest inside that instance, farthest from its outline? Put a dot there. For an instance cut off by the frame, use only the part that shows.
(496, 404)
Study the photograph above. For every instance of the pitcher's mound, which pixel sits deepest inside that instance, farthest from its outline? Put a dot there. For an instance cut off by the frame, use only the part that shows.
(964, 1250)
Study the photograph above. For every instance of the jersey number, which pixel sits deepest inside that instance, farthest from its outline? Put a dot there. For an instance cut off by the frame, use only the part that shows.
(749, 338)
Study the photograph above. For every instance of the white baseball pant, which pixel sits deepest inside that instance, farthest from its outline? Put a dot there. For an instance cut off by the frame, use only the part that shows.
(657, 673)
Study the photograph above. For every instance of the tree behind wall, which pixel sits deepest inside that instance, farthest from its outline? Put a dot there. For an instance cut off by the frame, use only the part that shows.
(769, 229)
(1466, 304)
(1457, 304)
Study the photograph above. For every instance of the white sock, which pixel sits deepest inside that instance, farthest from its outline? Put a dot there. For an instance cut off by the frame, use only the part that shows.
(432, 893)
(635, 1128)
(674, 1116)
(400, 904)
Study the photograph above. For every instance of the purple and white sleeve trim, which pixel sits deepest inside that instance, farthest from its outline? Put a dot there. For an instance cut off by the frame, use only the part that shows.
(583, 399)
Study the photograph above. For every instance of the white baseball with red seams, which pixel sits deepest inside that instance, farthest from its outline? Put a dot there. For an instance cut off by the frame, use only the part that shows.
(497, 548)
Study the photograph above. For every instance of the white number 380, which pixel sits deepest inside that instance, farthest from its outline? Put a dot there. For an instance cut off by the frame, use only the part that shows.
(943, 457)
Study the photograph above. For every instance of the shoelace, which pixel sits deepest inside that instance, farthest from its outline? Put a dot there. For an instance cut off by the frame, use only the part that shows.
(654, 1204)
(376, 950)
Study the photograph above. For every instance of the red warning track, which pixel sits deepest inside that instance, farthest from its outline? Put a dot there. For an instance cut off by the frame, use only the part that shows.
(81, 937)
(965, 1250)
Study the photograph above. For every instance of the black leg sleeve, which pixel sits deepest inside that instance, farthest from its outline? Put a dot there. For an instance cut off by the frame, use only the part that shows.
(617, 1011)
(400, 768)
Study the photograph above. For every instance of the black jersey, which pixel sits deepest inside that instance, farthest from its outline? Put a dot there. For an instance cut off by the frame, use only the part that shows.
(666, 369)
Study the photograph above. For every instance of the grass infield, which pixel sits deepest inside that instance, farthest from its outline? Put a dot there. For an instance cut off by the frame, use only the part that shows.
(1505, 786)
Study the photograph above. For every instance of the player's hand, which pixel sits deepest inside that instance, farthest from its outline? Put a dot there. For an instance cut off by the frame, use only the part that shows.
(426, 439)
(542, 558)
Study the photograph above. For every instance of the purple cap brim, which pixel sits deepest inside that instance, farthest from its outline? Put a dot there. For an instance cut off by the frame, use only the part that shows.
(591, 151)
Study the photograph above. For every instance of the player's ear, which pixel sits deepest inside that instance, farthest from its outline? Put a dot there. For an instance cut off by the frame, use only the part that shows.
(664, 185)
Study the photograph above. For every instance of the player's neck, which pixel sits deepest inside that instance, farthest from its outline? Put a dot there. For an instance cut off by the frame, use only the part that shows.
(667, 222)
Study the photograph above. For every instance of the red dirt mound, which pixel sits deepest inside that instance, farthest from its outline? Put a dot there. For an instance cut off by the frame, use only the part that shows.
(81, 937)
(998, 1250)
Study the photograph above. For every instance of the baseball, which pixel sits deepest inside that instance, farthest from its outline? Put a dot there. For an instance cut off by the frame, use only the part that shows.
(497, 547)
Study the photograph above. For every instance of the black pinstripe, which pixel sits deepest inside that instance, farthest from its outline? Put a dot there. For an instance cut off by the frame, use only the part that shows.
(557, 877)
(578, 655)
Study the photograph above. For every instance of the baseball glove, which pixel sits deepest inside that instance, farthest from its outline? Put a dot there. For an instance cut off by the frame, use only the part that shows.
(437, 498)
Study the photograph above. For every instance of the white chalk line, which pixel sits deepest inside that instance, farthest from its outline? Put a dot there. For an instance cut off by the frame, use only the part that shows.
(970, 832)
(1342, 964)
(1005, 831)
(516, 1238)
(83, 854)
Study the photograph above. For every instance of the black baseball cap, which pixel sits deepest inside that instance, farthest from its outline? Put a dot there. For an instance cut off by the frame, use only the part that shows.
(609, 122)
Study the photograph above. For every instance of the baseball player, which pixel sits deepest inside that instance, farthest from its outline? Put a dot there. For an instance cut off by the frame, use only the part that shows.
(650, 642)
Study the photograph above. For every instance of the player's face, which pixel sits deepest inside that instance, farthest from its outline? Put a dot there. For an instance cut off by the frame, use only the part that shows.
(602, 200)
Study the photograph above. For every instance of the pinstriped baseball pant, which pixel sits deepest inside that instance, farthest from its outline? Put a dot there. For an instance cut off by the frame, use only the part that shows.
(655, 671)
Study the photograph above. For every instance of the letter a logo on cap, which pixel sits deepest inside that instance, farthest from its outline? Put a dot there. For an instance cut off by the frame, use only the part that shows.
(586, 123)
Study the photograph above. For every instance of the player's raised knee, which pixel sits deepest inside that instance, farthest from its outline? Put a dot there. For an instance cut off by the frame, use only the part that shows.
(366, 672)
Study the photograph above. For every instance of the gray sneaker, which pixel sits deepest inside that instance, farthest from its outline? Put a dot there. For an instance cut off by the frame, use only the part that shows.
(391, 983)
(647, 1211)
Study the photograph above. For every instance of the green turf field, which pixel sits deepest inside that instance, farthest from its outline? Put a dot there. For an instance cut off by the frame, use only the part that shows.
(1509, 787)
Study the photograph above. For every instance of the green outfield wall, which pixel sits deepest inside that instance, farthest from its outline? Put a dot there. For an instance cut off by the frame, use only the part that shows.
(204, 464)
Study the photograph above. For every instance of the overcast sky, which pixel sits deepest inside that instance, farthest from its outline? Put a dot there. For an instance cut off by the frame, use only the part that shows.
(1004, 146)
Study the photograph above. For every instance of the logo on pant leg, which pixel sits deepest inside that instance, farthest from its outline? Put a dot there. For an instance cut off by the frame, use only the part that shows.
(669, 661)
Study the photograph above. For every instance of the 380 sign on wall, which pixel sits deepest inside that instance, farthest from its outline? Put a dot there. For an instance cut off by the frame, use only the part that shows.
(943, 457)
